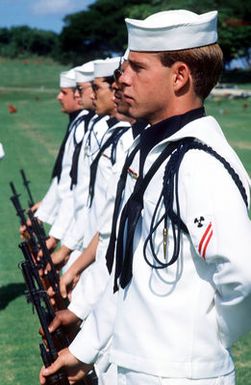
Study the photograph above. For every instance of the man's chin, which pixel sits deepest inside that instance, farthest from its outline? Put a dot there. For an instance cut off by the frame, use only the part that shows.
(123, 111)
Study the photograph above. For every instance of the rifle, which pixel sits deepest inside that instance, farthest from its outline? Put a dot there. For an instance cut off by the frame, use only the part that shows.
(23, 221)
(52, 275)
(36, 239)
(40, 300)
(59, 378)
(54, 341)
(17, 204)
(26, 183)
(36, 295)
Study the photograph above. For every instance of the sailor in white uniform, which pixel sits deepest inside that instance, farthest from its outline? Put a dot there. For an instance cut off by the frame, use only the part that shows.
(106, 142)
(180, 289)
(99, 130)
(83, 228)
(78, 174)
(52, 210)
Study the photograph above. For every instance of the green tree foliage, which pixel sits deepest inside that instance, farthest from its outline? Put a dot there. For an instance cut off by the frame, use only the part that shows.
(24, 41)
(100, 30)
(97, 32)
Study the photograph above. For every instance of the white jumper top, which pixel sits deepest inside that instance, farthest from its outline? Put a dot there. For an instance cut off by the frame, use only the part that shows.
(181, 321)
(57, 205)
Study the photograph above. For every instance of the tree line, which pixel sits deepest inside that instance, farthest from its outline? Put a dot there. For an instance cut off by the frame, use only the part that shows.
(22, 42)
(100, 30)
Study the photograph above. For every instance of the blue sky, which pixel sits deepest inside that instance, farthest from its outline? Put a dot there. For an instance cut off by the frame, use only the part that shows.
(42, 14)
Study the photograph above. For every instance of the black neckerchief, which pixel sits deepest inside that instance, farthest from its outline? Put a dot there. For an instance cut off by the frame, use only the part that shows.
(74, 114)
(149, 138)
(91, 131)
(164, 129)
(138, 127)
(111, 141)
(77, 147)
(57, 168)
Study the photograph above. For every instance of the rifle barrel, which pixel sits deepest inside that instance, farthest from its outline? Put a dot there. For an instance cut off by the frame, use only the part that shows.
(26, 183)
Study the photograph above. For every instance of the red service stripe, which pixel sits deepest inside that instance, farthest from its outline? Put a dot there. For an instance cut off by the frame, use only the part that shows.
(204, 236)
(206, 244)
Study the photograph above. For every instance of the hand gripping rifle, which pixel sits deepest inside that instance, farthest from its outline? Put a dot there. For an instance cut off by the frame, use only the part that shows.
(52, 276)
(57, 340)
(37, 295)
(26, 183)
(36, 239)
(40, 300)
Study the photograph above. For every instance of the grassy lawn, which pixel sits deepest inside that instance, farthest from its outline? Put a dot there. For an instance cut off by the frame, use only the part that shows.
(31, 137)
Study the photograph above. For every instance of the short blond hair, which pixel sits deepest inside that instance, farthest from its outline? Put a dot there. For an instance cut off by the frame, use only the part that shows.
(205, 64)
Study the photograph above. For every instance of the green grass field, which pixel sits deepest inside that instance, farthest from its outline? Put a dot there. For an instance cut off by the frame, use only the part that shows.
(31, 137)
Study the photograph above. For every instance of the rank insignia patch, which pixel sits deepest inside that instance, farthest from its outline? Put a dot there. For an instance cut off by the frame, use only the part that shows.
(199, 221)
(202, 232)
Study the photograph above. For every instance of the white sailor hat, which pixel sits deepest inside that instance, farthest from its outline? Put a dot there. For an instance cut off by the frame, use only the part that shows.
(68, 79)
(172, 30)
(106, 67)
(85, 72)
(126, 54)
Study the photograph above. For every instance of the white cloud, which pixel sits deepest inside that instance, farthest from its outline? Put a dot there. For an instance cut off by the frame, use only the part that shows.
(49, 7)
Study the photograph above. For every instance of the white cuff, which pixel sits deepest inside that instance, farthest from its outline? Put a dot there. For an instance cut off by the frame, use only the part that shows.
(81, 347)
(2, 153)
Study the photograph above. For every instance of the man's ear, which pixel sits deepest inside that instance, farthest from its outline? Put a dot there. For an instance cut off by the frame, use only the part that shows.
(181, 76)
